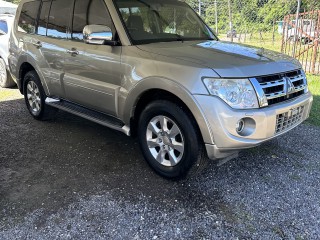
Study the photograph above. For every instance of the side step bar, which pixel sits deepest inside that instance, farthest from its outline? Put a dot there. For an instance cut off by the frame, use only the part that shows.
(88, 114)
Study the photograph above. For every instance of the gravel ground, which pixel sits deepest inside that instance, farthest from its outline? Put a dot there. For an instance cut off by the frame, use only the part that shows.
(72, 179)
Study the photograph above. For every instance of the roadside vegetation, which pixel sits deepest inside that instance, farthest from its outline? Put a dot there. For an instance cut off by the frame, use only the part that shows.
(314, 86)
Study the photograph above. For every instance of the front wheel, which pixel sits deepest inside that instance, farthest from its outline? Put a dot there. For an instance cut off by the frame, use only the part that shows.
(169, 139)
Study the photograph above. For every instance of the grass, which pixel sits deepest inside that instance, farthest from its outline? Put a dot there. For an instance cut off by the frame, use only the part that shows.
(7, 94)
(254, 40)
(314, 87)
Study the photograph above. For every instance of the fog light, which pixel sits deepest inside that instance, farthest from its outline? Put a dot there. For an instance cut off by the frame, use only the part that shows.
(240, 126)
(245, 127)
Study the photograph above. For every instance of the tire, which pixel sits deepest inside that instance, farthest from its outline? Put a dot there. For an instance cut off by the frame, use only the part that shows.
(34, 96)
(305, 40)
(170, 140)
(6, 80)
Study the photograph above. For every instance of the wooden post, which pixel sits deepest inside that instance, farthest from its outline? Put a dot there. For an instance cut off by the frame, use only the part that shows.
(260, 34)
(245, 35)
(230, 20)
(315, 46)
(296, 29)
(216, 15)
(284, 34)
(273, 30)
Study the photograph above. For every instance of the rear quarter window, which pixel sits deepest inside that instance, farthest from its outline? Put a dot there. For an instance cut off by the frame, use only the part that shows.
(28, 16)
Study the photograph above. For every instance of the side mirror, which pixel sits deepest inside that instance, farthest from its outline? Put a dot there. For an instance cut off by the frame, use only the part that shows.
(98, 34)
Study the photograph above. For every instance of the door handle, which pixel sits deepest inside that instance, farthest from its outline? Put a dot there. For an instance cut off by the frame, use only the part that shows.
(73, 51)
(37, 44)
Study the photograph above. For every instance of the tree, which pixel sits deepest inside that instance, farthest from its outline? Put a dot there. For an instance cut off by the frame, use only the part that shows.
(13, 1)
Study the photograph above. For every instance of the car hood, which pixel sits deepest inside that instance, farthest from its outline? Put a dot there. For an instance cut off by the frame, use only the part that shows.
(226, 59)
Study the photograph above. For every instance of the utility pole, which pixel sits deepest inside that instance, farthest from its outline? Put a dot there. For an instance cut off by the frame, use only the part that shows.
(296, 29)
(199, 7)
(216, 15)
(230, 20)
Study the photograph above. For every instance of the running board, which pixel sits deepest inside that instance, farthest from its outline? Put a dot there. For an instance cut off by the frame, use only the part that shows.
(88, 114)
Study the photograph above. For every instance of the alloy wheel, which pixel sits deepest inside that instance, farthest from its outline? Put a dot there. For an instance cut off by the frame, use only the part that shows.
(165, 141)
(34, 98)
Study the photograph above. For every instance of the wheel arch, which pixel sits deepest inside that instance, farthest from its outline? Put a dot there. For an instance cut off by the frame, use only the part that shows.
(23, 70)
(25, 65)
(164, 89)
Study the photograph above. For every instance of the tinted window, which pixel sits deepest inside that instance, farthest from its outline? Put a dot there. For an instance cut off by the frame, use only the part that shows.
(59, 18)
(87, 12)
(28, 16)
(43, 18)
(3, 27)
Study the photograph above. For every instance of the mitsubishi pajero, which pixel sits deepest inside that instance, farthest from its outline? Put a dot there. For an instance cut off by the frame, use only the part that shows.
(154, 69)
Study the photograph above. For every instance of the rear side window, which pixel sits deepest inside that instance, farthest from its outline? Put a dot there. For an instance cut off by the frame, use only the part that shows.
(3, 27)
(87, 12)
(59, 19)
(28, 16)
(43, 18)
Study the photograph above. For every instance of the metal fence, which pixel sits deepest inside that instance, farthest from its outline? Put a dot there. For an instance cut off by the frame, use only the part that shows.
(300, 39)
(282, 25)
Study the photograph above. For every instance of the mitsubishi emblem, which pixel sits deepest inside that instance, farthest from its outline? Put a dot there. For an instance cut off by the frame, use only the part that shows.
(289, 87)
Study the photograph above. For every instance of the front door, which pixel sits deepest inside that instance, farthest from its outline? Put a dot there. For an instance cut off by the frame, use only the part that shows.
(92, 72)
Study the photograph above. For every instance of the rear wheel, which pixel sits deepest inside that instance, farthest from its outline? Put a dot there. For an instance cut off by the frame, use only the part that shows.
(6, 80)
(34, 96)
(169, 139)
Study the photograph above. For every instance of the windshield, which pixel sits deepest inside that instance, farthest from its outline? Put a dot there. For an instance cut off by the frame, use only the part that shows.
(149, 21)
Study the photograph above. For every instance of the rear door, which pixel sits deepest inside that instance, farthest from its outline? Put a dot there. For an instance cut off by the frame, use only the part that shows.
(43, 27)
(51, 40)
(92, 72)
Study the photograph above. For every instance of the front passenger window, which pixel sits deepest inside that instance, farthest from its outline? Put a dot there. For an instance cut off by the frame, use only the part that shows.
(59, 19)
(87, 12)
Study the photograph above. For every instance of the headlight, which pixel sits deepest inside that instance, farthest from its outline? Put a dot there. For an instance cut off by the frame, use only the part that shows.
(238, 93)
(305, 81)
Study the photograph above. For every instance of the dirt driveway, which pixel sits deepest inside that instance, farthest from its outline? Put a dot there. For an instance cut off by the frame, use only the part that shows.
(73, 179)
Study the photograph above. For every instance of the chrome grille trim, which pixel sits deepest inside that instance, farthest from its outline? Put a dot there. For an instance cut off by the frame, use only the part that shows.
(272, 84)
(289, 119)
(275, 95)
(278, 88)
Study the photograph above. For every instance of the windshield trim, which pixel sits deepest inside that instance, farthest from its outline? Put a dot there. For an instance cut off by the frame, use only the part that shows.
(158, 40)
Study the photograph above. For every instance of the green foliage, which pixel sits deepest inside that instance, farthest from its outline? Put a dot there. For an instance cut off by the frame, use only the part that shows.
(250, 15)
(14, 1)
(314, 86)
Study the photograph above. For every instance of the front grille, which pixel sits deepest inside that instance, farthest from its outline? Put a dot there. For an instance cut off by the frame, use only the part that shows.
(280, 87)
(289, 119)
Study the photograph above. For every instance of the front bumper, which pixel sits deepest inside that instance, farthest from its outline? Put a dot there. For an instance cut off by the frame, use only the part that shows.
(222, 121)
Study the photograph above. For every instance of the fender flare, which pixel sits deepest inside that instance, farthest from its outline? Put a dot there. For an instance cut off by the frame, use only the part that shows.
(153, 83)
(28, 59)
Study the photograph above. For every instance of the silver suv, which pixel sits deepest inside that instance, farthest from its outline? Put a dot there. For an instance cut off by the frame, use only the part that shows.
(154, 69)
(6, 22)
